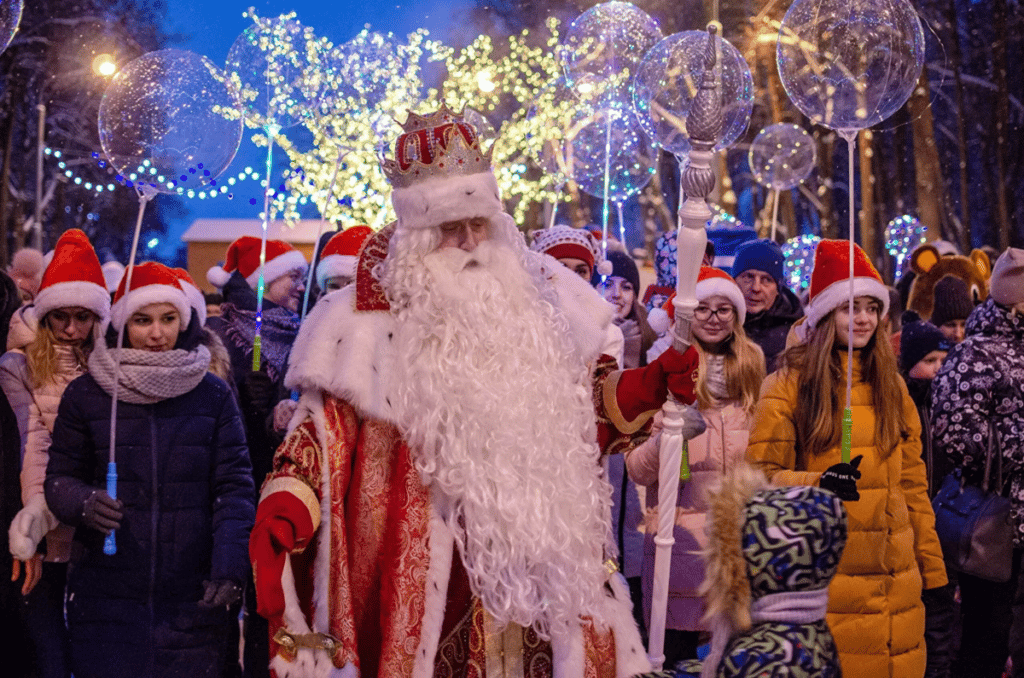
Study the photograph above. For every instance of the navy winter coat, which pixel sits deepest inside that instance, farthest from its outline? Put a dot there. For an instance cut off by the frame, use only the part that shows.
(184, 477)
(769, 328)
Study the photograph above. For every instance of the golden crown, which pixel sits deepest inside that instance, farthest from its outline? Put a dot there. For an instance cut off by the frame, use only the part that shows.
(437, 145)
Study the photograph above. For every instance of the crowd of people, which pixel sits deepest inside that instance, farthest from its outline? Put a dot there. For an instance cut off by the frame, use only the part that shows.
(443, 460)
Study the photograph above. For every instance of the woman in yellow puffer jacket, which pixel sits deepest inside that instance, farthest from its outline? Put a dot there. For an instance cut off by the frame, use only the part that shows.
(874, 608)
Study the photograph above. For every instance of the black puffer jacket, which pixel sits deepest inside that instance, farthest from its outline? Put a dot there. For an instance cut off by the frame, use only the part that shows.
(768, 328)
(982, 383)
(185, 479)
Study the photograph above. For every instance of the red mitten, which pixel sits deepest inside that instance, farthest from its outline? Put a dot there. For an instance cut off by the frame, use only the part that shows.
(283, 524)
(643, 389)
(681, 373)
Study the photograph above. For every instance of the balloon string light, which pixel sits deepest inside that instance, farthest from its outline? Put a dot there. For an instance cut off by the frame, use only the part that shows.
(775, 213)
(272, 131)
(851, 138)
(316, 243)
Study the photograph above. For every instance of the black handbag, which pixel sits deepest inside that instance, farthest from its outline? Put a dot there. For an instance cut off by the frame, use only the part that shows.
(974, 524)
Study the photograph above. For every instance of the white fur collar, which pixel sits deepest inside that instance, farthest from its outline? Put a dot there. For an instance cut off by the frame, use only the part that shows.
(349, 353)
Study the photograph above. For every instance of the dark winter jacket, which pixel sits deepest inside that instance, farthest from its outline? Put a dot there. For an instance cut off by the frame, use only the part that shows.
(768, 328)
(982, 381)
(936, 462)
(184, 477)
(257, 393)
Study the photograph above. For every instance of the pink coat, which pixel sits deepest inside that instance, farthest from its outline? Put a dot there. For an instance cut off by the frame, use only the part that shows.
(36, 417)
(723, 443)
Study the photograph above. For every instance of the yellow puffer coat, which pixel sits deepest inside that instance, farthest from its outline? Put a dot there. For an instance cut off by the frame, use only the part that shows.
(874, 608)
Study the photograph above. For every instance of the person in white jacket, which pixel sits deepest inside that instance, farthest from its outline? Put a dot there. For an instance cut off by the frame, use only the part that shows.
(728, 383)
(69, 307)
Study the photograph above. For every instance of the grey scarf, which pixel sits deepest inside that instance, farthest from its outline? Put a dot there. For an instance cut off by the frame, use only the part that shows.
(147, 377)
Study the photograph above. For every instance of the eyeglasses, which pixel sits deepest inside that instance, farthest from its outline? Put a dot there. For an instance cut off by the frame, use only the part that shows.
(723, 313)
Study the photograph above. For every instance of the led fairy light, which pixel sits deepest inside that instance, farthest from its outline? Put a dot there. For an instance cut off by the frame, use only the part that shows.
(799, 260)
(902, 235)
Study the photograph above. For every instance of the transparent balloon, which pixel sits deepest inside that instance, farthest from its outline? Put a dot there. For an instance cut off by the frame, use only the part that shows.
(366, 66)
(849, 64)
(169, 119)
(781, 156)
(484, 129)
(902, 236)
(611, 144)
(270, 66)
(668, 79)
(799, 260)
(559, 112)
(10, 17)
(608, 41)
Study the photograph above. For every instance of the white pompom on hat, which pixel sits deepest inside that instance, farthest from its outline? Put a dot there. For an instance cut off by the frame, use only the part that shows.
(830, 281)
(243, 255)
(1006, 286)
(710, 282)
(152, 283)
(195, 296)
(73, 278)
(341, 254)
(113, 271)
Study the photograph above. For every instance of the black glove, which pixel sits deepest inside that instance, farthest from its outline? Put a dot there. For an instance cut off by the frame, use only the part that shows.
(842, 479)
(220, 593)
(102, 512)
(258, 392)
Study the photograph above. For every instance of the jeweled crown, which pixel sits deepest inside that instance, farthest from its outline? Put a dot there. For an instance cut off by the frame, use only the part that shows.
(437, 145)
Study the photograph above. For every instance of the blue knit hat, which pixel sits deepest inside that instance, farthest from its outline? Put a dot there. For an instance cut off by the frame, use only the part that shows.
(759, 255)
(917, 339)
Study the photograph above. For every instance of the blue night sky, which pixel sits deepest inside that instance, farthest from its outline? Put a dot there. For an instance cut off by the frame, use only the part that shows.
(209, 27)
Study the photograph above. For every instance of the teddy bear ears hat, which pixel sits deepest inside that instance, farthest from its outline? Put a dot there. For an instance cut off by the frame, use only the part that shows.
(439, 172)
(710, 282)
(151, 283)
(562, 241)
(243, 255)
(341, 254)
(73, 278)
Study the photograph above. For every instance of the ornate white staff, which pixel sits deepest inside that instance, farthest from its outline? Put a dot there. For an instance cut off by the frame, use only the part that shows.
(703, 126)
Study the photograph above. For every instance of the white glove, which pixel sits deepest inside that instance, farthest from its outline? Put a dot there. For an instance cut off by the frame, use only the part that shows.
(283, 413)
(29, 527)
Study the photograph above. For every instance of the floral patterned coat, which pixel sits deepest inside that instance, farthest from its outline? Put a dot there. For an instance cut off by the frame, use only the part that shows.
(982, 382)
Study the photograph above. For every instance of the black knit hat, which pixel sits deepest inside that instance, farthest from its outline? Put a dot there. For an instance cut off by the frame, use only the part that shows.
(623, 266)
(918, 339)
(952, 301)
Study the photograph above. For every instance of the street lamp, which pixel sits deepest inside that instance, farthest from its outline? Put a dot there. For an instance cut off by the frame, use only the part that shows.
(104, 65)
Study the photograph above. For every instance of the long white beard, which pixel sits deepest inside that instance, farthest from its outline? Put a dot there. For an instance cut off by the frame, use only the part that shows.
(498, 412)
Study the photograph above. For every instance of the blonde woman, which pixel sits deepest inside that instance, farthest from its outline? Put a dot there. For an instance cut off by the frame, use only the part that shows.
(71, 304)
(728, 382)
(892, 553)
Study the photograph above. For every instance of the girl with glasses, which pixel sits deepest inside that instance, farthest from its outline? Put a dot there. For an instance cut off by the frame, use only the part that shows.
(728, 381)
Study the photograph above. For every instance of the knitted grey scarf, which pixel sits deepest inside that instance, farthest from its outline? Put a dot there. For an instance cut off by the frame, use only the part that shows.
(147, 377)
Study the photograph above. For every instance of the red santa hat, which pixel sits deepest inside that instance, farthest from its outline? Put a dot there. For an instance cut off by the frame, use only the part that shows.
(830, 280)
(195, 296)
(73, 278)
(577, 243)
(152, 283)
(341, 253)
(244, 256)
(710, 282)
(440, 173)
